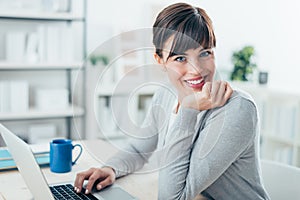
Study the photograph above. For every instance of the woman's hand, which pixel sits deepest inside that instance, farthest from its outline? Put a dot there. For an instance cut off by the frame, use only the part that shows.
(106, 176)
(213, 95)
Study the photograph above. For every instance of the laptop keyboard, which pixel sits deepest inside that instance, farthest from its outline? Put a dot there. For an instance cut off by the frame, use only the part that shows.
(67, 192)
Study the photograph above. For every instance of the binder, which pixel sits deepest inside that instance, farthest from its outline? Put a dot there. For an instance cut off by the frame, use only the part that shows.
(7, 162)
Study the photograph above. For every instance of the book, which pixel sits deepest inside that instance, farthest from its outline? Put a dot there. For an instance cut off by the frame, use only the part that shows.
(15, 46)
(5, 96)
(14, 96)
(10, 164)
(5, 155)
(42, 43)
(7, 162)
(53, 43)
(19, 96)
(66, 44)
(31, 47)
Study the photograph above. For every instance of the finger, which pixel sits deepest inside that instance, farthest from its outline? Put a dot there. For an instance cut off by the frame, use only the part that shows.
(207, 88)
(228, 92)
(106, 182)
(220, 98)
(214, 91)
(80, 177)
(92, 179)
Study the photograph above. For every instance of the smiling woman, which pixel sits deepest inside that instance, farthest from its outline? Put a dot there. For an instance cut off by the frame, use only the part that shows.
(188, 71)
(204, 134)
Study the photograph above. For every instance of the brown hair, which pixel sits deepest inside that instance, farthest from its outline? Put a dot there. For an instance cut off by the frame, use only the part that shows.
(190, 26)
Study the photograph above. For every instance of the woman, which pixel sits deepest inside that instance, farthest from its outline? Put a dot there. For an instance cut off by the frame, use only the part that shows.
(206, 135)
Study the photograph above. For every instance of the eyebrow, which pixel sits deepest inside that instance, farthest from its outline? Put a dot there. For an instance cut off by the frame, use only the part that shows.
(176, 54)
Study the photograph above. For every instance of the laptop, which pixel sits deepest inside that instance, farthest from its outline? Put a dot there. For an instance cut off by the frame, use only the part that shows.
(36, 182)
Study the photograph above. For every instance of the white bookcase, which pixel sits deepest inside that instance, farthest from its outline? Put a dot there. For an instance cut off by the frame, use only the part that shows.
(280, 122)
(121, 108)
(120, 93)
(43, 49)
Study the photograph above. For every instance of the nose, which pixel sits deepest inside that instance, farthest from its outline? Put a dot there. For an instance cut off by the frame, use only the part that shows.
(194, 67)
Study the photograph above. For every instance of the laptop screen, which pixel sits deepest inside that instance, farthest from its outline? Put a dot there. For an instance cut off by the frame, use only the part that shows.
(27, 165)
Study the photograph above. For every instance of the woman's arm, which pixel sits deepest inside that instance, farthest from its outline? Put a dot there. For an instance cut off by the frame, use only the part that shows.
(227, 133)
(141, 145)
(126, 160)
(135, 155)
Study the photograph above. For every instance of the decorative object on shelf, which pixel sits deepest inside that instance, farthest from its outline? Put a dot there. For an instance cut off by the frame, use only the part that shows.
(94, 59)
(99, 70)
(48, 99)
(243, 64)
(48, 131)
(263, 77)
(14, 96)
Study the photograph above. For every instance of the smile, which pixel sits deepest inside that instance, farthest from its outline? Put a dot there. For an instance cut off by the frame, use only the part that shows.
(195, 83)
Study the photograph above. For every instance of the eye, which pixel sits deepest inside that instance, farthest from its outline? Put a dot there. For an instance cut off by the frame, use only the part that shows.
(205, 53)
(180, 59)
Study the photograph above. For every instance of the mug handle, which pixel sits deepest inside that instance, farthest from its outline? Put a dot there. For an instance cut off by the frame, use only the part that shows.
(77, 145)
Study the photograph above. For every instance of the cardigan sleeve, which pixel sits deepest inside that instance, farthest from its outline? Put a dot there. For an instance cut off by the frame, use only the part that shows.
(141, 145)
(223, 135)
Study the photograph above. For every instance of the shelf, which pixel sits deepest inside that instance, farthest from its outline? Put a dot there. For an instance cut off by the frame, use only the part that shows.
(110, 90)
(279, 140)
(40, 16)
(38, 114)
(265, 90)
(11, 66)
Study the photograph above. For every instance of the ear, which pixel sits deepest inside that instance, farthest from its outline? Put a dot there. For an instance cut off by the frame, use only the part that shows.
(158, 59)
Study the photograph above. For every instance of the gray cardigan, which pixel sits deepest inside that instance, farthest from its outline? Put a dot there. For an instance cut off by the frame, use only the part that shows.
(213, 152)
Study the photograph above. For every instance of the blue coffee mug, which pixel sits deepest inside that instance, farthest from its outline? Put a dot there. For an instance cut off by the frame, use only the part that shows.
(61, 155)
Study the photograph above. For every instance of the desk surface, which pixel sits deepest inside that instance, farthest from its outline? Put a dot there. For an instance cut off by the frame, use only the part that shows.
(142, 186)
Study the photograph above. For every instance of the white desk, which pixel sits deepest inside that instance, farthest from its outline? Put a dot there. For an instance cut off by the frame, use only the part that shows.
(142, 186)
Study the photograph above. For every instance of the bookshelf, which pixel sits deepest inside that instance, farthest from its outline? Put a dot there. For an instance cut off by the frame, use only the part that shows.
(280, 116)
(120, 108)
(42, 50)
(109, 91)
(10, 66)
(120, 92)
(27, 15)
(38, 114)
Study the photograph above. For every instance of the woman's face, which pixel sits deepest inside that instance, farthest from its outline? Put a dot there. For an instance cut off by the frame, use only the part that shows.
(188, 71)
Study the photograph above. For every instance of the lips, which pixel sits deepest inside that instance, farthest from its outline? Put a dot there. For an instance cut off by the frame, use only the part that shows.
(196, 83)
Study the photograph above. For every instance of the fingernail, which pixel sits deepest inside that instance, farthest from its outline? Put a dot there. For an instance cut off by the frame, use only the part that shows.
(75, 188)
(86, 191)
(99, 187)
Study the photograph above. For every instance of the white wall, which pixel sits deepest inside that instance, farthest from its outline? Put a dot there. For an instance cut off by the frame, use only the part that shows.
(272, 27)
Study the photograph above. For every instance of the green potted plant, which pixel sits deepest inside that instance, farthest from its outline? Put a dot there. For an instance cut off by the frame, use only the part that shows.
(94, 59)
(243, 64)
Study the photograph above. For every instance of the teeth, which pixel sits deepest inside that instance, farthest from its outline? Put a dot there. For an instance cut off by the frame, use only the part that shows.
(194, 82)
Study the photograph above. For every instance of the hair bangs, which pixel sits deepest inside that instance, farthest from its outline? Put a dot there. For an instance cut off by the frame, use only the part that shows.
(192, 36)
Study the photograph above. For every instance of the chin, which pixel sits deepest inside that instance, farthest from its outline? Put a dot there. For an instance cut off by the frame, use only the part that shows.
(193, 90)
(189, 91)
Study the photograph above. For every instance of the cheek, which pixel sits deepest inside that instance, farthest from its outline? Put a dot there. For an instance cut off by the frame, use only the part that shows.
(175, 73)
(211, 67)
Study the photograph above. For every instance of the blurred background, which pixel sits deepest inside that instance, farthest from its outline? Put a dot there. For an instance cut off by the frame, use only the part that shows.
(61, 71)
